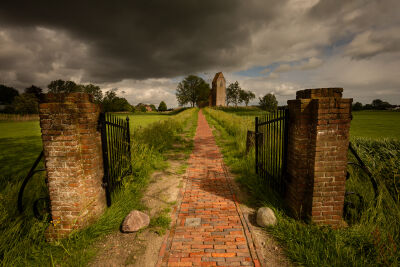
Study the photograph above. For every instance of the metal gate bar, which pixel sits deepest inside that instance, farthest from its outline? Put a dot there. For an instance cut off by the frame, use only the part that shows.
(271, 148)
(115, 137)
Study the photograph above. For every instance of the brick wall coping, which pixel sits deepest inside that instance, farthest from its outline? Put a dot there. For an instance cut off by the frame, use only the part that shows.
(77, 97)
(319, 93)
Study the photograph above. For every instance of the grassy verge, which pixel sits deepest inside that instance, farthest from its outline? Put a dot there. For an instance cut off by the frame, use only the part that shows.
(372, 237)
(375, 124)
(243, 111)
(18, 117)
(161, 222)
(21, 236)
(20, 144)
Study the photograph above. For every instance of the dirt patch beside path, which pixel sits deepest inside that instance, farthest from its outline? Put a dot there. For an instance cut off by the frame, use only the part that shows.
(142, 248)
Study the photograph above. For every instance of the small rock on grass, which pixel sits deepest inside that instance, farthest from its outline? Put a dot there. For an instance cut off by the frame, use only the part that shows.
(266, 217)
(135, 221)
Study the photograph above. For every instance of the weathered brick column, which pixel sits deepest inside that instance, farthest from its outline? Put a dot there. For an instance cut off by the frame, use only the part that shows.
(317, 154)
(73, 160)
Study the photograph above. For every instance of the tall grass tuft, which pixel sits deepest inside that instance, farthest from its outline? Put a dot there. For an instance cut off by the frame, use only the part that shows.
(372, 237)
(383, 160)
(234, 125)
(22, 240)
(163, 134)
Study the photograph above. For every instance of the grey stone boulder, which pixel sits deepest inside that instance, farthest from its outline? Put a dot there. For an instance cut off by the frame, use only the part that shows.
(135, 221)
(266, 217)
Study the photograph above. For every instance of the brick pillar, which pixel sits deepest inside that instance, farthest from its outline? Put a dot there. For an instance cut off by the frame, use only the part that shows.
(73, 160)
(317, 154)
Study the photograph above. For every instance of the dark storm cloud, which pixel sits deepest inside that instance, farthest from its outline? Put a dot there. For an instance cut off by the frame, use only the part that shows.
(32, 55)
(371, 25)
(143, 39)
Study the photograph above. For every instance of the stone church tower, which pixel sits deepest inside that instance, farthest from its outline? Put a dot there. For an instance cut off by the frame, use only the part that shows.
(218, 91)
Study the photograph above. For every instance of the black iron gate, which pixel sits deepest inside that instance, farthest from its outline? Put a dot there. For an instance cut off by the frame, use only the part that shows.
(40, 206)
(271, 148)
(115, 138)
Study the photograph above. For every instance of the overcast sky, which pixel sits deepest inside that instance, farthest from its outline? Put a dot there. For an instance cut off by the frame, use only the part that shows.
(144, 48)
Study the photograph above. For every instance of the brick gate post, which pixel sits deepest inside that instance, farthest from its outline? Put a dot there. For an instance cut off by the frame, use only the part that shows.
(318, 142)
(73, 160)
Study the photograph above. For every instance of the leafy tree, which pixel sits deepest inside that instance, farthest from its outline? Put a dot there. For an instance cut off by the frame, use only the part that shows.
(7, 94)
(192, 89)
(246, 96)
(162, 106)
(37, 91)
(268, 102)
(153, 107)
(94, 90)
(368, 107)
(357, 106)
(233, 93)
(379, 104)
(385, 105)
(376, 103)
(111, 102)
(60, 86)
(26, 104)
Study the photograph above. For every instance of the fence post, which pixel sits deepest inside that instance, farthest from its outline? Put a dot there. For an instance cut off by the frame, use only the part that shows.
(73, 160)
(106, 168)
(256, 142)
(285, 147)
(128, 132)
(318, 143)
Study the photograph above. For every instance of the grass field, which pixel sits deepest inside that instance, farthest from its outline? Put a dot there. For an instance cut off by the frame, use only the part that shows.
(375, 124)
(367, 123)
(142, 120)
(20, 142)
(243, 111)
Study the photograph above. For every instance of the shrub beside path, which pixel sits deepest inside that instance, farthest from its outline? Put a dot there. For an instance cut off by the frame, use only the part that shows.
(209, 228)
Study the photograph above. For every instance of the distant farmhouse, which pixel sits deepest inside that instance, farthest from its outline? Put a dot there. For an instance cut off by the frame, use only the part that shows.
(143, 107)
(397, 108)
(218, 91)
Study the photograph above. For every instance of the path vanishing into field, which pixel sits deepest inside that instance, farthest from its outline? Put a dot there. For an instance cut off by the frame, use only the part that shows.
(209, 228)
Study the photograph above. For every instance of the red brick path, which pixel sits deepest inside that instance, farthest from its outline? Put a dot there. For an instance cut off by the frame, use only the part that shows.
(210, 229)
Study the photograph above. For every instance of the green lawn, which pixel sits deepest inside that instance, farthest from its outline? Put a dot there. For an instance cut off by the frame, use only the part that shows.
(143, 120)
(368, 123)
(244, 111)
(375, 124)
(20, 144)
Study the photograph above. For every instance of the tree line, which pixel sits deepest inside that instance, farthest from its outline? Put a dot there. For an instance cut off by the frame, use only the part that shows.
(376, 104)
(28, 101)
(193, 90)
